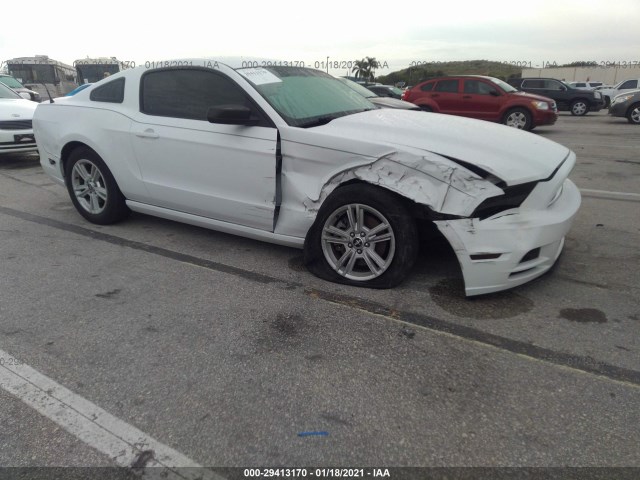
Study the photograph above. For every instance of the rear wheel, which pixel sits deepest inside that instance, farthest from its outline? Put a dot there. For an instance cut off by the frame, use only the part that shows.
(579, 108)
(518, 118)
(92, 188)
(424, 108)
(633, 114)
(362, 236)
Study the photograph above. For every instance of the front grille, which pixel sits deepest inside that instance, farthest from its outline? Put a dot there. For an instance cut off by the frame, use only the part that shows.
(16, 125)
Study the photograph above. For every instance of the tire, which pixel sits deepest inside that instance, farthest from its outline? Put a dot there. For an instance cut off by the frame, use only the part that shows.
(579, 108)
(424, 108)
(92, 188)
(607, 102)
(633, 114)
(518, 118)
(339, 250)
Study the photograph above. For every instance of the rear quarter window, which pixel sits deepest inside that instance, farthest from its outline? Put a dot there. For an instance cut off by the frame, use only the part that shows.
(112, 92)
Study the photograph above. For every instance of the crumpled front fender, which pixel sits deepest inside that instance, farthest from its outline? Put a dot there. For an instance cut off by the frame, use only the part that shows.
(428, 179)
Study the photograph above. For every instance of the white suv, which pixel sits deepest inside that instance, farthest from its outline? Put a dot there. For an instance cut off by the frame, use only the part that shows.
(585, 85)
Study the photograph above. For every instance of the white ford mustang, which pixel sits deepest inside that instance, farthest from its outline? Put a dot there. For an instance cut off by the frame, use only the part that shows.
(292, 156)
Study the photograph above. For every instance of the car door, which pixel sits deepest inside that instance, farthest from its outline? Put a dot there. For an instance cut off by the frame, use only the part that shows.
(224, 172)
(446, 94)
(557, 91)
(480, 100)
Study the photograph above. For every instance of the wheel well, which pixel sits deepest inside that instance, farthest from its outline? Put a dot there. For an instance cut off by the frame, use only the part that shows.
(580, 100)
(635, 105)
(416, 210)
(433, 108)
(517, 107)
(66, 152)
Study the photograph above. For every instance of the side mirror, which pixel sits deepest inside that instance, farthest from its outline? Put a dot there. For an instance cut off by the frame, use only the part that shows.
(495, 93)
(25, 95)
(562, 88)
(231, 115)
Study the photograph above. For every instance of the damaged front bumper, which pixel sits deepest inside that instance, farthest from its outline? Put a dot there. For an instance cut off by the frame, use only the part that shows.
(513, 248)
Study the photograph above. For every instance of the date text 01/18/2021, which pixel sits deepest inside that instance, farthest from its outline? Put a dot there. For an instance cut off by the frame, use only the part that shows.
(317, 472)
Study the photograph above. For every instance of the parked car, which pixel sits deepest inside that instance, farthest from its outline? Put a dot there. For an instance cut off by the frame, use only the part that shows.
(382, 102)
(586, 85)
(291, 156)
(623, 86)
(16, 130)
(577, 101)
(484, 98)
(15, 85)
(386, 91)
(627, 105)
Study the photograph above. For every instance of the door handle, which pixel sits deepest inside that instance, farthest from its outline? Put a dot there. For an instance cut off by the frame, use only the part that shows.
(434, 95)
(466, 96)
(148, 133)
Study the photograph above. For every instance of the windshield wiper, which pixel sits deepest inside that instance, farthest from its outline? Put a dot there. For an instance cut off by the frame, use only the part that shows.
(316, 122)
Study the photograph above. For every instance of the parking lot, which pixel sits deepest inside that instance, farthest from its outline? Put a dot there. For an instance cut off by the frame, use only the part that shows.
(226, 352)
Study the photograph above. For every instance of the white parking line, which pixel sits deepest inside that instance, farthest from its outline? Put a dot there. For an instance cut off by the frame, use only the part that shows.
(120, 441)
(610, 194)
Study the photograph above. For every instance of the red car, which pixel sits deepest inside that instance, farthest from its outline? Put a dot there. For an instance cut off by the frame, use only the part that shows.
(485, 98)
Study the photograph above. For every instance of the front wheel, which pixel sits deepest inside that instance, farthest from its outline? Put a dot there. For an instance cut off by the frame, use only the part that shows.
(518, 118)
(362, 236)
(579, 108)
(92, 188)
(633, 114)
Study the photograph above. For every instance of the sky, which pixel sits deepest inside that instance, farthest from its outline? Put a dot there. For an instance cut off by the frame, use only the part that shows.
(397, 34)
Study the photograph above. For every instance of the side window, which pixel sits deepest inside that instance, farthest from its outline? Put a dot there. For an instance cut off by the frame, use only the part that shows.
(533, 84)
(630, 84)
(449, 86)
(477, 87)
(580, 85)
(188, 93)
(427, 87)
(112, 92)
(552, 85)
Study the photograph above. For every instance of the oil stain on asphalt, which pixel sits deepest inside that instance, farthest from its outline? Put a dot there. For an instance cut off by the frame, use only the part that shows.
(583, 315)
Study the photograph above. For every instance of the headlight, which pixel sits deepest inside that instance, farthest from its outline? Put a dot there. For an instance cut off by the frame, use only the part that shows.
(540, 105)
(621, 99)
(597, 95)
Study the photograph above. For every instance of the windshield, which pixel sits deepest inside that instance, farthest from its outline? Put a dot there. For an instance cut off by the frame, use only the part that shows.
(305, 97)
(503, 85)
(396, 90)
(6, 92)
(94, 73)
(356, 87)
(10, 82)
(32, 73)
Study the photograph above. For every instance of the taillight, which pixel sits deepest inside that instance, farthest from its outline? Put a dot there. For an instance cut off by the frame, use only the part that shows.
(405, 95)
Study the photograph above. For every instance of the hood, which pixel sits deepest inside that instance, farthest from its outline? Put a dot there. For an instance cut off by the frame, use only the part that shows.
(533, 96)
(388, 102)
(16, 109)
(512, 155)
(628, 92)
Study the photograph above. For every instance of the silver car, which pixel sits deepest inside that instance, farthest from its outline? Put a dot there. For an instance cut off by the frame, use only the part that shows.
(627, 105)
